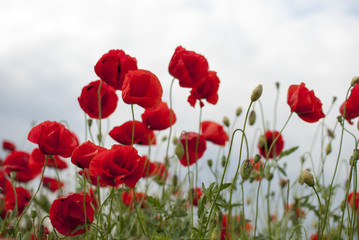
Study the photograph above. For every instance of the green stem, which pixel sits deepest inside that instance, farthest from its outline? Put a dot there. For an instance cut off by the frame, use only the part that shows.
(99, 114)
(109, 215)
(197, 143)
(320, 214)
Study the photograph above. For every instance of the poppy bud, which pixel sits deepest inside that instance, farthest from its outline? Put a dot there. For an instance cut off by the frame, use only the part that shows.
(226, 121)
(256, 159)
(238, 111)
(33, 213)
(277, 85)
(300, 180)
(174, 140)
(269, 176)
(308, 178)
(164, 138)
(283, 183)
(330, 133)
(340, 119)
(246, 169)
(252, 118)
(342, 205)
(216, 234)
(99, 137)
(179, 150)
(223, 161)
(328, 149)
(174, 180)
(355, 80)
(89, 122)
(209, 163)
(356, 154)
(257, 93)
(334, 99)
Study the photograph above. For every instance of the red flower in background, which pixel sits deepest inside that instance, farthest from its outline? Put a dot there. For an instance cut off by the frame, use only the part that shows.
(123, 134)
(113, 66)
(205, 88)
(83, 154)
(155, 169)
(120, 164)
(149, 138)
(143, 88)
(352, 105)
(127, 198)
(7, 145)
(247, 226)
(265, 141)
(53, 139)
(89, 99)
(214, 132)
(351, 200)
(67, 213)
(188, 67)
(159, 118)
(191, 142)
(304, 103)
(18, 161)
(23, 198)
(37, 159)
(196, 194)
(258, 166)
(52, 184)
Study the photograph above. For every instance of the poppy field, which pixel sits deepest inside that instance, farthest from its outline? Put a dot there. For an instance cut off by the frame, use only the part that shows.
(119, 192)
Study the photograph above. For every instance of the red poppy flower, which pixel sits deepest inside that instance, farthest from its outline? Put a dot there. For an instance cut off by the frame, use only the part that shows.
(214, 132)
(149, 138)
(127, 198)
(123, 134)
(205, 88)
(265, 141)
(89, 178)
(23, 198)
(159, 118)
(247, 226)
(352, 106)
(83, 154)
(120, 164)
(18, 161)
(44, 237)
(52, 184)
(155, 169)
(351, 200)
(191, 142)
(304, 103)
(257, 167)
(89, 99)
(187, 66)
(53, 139)
(113, 66)
(67, 213)
(143, 88)
(196, 194)
(7, 145)
(37, 159)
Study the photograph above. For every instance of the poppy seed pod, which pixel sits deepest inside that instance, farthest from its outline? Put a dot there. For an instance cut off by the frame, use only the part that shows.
(257, 93)
(308, 178)
(246, 169)
(355, 80)
(179, 150)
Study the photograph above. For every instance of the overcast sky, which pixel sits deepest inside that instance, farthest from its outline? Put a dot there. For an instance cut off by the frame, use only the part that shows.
(49, 48)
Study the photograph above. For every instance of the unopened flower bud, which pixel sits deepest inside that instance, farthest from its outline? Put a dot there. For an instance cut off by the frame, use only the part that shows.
(174, 180)
(257, 93)
(179, 150)
(174, 140)
(342, 205)
(256, 159)
(269, 176)
(209, 163)
(238, 111)
(334, 99)
(262, 141)
(356, 154)
(330, 133)
(226, 121)
(328, 149)
(33, 213)
(216, 234)
(355, 80)
(99, 137)
(308, 178)
(252, 118)
(246, 169)
(12, 174)
(223, 161)
(340, 119)
(164, 138)
(277, 85)
(89, 122)
(300, 180)
(283, 183)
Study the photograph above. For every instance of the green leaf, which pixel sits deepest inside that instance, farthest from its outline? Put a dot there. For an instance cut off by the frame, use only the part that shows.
(289, 151)
(281, 170)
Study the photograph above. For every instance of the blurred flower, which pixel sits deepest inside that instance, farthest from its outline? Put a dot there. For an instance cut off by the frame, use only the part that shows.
(123, 134)
(266, 140)
(352, 105)
(37, 159)
(52, 184)
(7, 145)
(127, 198)
(159, 118)
(190, 150)
(23, 198)
(214, 132)
(247, 226)
(351, 200)
(196, 195)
